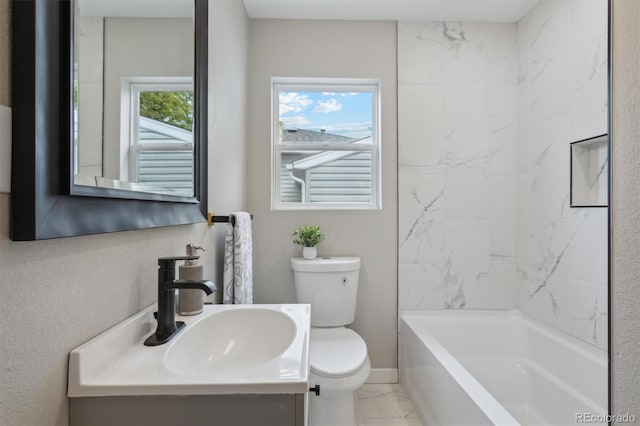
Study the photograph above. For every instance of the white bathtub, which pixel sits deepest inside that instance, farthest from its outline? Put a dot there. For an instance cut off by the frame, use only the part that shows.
(498, 368)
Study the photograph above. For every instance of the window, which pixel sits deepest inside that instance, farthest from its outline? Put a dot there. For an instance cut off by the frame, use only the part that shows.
(325, 144)
(159, 141)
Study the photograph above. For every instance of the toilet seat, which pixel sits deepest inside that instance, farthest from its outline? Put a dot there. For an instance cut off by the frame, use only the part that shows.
(336, 352)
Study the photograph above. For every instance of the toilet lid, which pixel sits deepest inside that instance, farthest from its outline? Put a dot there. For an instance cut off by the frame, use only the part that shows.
(336, 351)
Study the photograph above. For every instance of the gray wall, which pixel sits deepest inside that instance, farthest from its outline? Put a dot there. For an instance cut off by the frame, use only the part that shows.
(625, 198)
(89, 57)
(55, 295)
(327, 49)
(228, 62)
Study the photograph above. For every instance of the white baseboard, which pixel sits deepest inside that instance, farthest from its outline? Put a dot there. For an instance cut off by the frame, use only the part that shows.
(383, 375)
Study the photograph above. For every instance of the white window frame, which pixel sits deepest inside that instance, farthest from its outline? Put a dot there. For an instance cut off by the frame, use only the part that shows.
(130, 113)
(289, 84)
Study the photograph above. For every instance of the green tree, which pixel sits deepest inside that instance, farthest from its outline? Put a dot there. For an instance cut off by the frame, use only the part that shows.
(175, 108)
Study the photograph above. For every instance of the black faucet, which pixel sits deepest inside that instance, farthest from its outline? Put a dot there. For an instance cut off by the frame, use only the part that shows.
(167, 284)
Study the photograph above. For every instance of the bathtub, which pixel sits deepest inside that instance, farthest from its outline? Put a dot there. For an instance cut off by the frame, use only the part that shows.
(499, 368)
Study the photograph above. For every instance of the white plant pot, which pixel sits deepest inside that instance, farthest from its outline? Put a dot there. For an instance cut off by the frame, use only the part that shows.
(309, 253)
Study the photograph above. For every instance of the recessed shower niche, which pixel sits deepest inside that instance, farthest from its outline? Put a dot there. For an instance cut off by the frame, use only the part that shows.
(590, 172)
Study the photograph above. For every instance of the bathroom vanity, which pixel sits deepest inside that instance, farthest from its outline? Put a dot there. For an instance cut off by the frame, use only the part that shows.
(231, 365)
(193, 410)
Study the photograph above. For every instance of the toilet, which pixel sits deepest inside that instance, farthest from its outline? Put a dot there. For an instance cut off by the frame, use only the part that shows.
(338, 355)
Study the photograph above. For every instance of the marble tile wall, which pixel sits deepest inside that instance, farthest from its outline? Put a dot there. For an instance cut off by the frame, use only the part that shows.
(486, 115)
(458, 183)
(562, 92)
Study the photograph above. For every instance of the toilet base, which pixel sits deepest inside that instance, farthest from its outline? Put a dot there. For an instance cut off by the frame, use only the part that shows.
(335, 404)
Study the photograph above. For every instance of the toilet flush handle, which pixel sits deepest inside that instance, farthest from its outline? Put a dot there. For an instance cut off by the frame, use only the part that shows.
(315, 389)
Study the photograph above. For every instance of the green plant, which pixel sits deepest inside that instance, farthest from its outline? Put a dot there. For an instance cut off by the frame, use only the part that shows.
(174, 108)
(308, 236)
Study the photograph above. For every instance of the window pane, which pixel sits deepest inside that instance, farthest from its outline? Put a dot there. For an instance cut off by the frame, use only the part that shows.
(325, 117)
(171, 107)
(314, 177)
(165, 141)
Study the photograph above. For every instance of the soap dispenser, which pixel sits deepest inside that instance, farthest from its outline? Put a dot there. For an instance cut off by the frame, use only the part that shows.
(190, 302)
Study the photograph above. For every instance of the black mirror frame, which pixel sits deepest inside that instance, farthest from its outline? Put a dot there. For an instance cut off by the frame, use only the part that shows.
(45, 203)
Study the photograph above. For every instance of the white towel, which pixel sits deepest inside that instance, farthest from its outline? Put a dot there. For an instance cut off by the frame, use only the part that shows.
(237, 278)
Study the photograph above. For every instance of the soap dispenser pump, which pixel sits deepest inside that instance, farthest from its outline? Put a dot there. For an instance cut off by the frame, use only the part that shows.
(190, 302)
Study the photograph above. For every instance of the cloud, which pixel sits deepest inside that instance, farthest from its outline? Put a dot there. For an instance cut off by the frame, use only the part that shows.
(332, 105)
(296, 121)
(343, 94)
(293, 102)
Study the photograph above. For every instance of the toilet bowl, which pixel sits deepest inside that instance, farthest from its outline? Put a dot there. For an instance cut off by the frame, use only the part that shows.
(340, 365)
(338, 355)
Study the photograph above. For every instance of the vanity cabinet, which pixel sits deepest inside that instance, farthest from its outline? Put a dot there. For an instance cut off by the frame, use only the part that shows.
(192, 410)
(225, 367)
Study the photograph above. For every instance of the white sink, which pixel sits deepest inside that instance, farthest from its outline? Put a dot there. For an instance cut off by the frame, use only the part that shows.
(231, 340)
(228, 349)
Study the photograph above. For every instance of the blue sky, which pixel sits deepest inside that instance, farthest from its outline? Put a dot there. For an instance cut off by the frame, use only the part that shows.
(341, 113)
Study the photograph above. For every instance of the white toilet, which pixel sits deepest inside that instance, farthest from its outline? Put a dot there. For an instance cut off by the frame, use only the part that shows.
(339, 360)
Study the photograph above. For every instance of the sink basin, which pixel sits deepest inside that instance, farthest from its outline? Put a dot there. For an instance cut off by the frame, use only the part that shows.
(231, 340)
(227, 349)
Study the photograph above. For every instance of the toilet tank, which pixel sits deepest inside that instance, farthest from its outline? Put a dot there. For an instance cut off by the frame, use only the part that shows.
(330, 285)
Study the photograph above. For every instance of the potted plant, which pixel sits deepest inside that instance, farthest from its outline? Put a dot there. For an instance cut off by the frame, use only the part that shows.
(308, 236)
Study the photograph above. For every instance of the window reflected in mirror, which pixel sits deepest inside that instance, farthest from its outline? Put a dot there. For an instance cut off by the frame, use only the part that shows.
(133, 96)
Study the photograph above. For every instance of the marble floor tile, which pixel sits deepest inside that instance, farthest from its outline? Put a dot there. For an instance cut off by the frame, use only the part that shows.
(384, 405)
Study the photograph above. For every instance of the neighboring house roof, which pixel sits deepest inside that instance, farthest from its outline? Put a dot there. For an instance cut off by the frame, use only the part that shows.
(342, 174)
(302, 135)
(157, 131)
(326, 157)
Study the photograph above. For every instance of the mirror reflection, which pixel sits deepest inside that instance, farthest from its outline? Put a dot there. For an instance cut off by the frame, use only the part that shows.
(133, 95)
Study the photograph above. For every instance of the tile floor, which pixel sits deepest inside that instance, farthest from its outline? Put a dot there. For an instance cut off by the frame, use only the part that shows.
(384, 405)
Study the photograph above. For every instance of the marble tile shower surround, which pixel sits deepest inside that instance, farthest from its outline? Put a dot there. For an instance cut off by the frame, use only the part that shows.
(486, 114)
(457, 164)
(562, 91)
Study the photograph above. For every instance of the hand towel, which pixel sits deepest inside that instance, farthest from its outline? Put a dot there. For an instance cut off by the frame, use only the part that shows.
(237, 277)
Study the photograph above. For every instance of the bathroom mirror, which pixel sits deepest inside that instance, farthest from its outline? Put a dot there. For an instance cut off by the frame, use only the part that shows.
(68, 178)
(133, 95)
